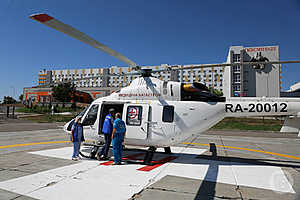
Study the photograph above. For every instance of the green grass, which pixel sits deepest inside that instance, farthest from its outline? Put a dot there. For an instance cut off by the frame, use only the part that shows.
(49, 118)
(45, 109)
(249, 124)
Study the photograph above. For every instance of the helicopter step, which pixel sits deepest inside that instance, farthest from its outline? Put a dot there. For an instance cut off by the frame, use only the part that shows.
(94, 150)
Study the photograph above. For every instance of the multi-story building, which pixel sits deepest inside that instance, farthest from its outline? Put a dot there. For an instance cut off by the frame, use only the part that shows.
(44, 77)
(241, 80)
(252, 81)
(98, 77)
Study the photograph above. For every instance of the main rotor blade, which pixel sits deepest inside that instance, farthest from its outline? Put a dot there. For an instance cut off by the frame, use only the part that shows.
(233, 64)
(69, 30)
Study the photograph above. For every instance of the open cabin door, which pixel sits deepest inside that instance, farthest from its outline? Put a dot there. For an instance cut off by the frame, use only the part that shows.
(136, 117)
(90, 122)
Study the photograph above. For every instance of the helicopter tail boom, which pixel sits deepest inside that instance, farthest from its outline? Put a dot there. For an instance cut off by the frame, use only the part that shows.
(240, 107)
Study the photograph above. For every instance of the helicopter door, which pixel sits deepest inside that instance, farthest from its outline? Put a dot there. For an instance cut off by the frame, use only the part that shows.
(162, 125)
(90, 121)
(136, 117)
(168, 125)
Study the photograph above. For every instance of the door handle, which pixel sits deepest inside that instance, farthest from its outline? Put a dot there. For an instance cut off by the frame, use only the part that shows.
(143, 129)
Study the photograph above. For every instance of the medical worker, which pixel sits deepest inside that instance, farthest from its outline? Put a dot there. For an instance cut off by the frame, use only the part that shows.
(107, 131)
(118, 134)
(77, 137)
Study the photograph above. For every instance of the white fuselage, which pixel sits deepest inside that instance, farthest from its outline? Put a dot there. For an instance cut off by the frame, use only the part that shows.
(188, 118)
(155, 115)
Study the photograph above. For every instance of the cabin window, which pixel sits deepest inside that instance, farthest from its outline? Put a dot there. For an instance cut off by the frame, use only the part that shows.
(91, 116)
(168, 114)
(134, 115)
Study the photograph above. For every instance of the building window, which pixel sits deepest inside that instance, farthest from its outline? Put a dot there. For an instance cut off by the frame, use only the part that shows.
(236, 78)
(168, 114)
(236, 68)
(236, 87)
(236, 57)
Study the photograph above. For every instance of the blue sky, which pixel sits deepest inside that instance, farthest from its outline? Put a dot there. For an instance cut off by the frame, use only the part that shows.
(148, 32)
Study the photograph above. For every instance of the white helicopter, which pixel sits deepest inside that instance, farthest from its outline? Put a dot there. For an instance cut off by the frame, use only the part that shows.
(161, 114)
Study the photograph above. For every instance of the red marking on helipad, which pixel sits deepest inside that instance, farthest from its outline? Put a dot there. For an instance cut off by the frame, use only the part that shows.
(131, 157)
(107, 163)
(160, 163)
(147, 168)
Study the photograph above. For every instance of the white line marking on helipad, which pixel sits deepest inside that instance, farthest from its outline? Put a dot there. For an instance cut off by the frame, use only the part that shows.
(87, 179)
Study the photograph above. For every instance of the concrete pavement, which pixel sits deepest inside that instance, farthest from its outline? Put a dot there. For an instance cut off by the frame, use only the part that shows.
(247, 166)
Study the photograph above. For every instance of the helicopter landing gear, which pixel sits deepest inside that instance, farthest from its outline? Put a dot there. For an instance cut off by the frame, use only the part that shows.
(93, 152)
(167, 150)
(149, 155)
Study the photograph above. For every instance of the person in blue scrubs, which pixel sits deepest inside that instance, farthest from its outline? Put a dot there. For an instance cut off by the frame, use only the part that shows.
(77, 137)
(107, 131)
(118, 134)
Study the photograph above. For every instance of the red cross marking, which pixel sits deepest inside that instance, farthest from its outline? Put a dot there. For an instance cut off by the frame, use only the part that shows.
(133, 113)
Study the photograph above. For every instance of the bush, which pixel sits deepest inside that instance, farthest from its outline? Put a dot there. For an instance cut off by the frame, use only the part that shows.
(73, 106)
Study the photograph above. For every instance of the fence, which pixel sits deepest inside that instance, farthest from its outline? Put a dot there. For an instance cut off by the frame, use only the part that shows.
(7, 111)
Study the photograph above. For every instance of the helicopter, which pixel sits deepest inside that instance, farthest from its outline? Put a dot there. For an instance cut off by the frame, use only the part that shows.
(159, 114)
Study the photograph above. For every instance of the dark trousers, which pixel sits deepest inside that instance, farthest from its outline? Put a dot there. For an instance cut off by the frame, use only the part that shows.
(105, 148)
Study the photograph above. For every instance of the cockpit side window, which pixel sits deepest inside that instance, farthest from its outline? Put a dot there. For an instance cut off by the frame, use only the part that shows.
(83, 112)
(91, 116)
(73, 120)
(168, 114)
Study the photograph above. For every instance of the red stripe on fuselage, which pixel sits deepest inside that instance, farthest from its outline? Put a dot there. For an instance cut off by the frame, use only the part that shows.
(41, 17)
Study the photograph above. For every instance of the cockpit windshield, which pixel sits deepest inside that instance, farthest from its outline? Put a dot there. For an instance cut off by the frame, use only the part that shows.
(79, 114)
(83, 111)
(198, 92)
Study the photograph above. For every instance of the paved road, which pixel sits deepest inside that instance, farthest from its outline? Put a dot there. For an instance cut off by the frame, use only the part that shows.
(245, 166)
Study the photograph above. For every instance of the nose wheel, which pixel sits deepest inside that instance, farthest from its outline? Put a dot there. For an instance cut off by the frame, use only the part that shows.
(167, 150)
(149, 155)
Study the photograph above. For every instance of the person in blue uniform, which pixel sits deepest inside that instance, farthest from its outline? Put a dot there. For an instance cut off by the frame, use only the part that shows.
(118, 134)
(76, 137)
(107, 131)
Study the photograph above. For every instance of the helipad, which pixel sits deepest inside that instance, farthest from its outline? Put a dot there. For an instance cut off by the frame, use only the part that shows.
(245, 167)
(89, 179)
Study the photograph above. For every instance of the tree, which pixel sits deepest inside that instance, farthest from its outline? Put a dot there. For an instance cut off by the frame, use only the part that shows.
(63, 92)
(9, 100)
(21, 97)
